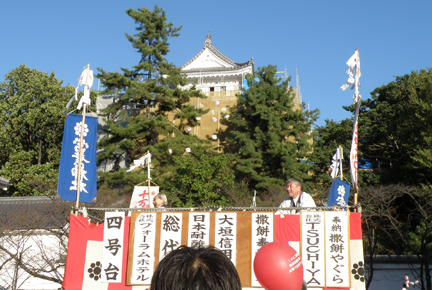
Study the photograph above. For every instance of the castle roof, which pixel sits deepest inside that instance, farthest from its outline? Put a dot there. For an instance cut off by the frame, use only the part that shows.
(210, 59)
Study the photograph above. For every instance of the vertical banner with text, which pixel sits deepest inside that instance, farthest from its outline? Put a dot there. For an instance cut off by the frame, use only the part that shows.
(199, 229)
(112, 252)
(69, 160)
(140, 197)
(337, 249)
(313, 248)
(144, 248)
(262, 234)
(226, 234)
(170, 233)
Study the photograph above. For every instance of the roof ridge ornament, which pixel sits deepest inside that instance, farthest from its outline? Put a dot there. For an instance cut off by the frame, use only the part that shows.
(208, 40)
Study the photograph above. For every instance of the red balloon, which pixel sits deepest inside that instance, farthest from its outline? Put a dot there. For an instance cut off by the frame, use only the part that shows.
(278, 266)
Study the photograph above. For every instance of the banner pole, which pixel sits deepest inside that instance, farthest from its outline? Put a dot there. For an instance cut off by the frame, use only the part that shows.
(357, 108)
(149, 192)
(80, 148)
(340, 154)
(218, 134)
(353, 80)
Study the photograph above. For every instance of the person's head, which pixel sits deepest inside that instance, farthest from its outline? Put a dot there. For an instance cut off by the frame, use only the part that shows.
(192, 268)
(294, 187)
(304, 285)
(160, 200)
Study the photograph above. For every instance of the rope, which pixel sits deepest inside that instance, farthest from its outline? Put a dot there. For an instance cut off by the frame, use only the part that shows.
(216, 208)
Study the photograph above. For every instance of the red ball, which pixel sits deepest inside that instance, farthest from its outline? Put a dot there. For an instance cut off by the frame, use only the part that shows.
(278, 266)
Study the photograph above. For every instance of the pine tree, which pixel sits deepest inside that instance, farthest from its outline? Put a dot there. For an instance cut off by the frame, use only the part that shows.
(271, 136)
(154, 85)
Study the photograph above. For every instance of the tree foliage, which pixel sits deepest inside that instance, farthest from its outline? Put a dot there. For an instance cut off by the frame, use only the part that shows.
(421, 98)
(395, 129)
(394, 133)
(201, 181)
(154, 87)
(326, 140)
(32, 107)
(270, 137)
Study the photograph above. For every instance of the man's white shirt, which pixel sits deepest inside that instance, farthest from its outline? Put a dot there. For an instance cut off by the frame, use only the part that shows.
(302, 200)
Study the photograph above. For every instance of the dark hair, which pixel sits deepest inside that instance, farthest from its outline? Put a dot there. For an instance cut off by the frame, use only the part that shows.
(304, 285)
(195, 268)
(296, 181)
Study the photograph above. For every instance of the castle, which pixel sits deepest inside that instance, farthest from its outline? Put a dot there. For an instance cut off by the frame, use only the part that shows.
(220, 79)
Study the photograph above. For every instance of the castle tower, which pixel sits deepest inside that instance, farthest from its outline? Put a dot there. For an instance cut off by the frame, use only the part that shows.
(220, 79)
(214, 73)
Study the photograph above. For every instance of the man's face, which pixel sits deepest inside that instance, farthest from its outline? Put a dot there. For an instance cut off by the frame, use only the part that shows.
(293, 189)
(157, 202)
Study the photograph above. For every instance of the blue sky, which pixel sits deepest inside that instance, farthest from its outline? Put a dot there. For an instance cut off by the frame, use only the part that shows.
(317, 37)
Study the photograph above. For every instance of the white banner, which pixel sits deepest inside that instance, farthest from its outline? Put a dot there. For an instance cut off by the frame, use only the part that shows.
(357, 265)
(199, 229)
(171, 230)
(337, 249)
(140, 198)
(354, 148)
(144, 248)
(112, 255)
(313, 247)
(226, 234)
(93, 267)
(262, 234)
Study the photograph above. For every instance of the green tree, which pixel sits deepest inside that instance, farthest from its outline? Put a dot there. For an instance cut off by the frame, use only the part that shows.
(329, 137)
(326, 140)
(421, 97)
(154, 86)
(201, 181)
(271, 137)
(395, 129)
(32, 107)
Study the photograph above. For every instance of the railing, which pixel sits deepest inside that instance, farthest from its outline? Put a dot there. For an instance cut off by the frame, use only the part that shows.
(232, 93)
(97, 213)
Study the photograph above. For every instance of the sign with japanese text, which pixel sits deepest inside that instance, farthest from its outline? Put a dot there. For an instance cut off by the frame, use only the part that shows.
(69, 160)
(112, 252)
(170, 232)
(313, 248)
(262, 233)
(337, 249)
(144, 248)
(199, 228)
(324, 242)
(226, 234)
(140, 197)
